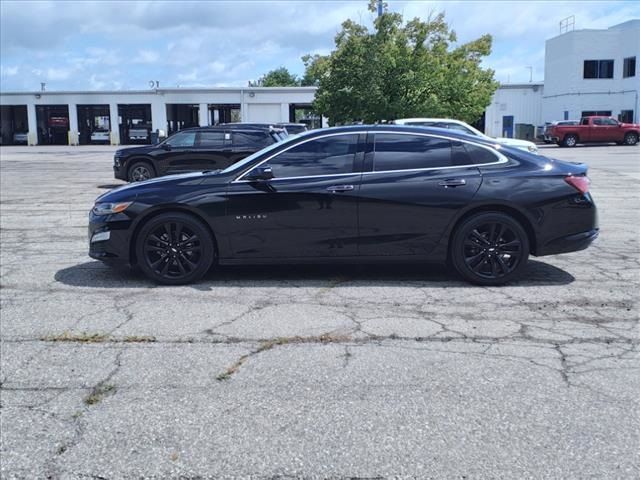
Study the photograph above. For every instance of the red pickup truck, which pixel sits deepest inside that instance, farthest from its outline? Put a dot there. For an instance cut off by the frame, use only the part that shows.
(595, 130)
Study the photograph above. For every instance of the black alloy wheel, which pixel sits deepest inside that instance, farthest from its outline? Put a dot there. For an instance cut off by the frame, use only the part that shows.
(174, 249)
(140, 171)
(490, 249)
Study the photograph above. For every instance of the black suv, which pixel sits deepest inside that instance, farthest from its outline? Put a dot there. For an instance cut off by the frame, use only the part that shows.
(194, 149)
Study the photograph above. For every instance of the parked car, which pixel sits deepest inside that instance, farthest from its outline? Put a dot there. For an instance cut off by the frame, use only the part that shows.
(468, 129)
(547, 128)
(101, 136)
(194, 149)
(595, 129)
(20, 138)
(139, 133)
(293, 128)
(353, 194)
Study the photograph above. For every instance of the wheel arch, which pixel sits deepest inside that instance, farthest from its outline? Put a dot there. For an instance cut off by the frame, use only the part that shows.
(514, 212)
(148, 216)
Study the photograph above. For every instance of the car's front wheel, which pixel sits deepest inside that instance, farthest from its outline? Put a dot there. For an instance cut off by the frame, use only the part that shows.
(490, 248)
(140, 171)
(174, 249)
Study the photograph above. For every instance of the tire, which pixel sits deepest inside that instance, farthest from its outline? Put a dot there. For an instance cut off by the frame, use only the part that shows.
(489, 248)
(631, 138)
(570, 141)
(140, 171)
(174, 249)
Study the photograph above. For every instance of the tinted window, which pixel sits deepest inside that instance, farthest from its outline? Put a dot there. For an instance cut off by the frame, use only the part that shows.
(629, 67)
(598, 69)
(479, 155)
(183, 139)
(255, 139)
(211, 139)
(324, 156)
(403, 152)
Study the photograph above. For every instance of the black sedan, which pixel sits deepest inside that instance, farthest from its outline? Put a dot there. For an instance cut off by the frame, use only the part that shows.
(353, 194)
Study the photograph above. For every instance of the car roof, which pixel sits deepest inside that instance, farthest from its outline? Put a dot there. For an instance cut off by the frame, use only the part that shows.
(231, 126)
(401, 121)
(390, 128)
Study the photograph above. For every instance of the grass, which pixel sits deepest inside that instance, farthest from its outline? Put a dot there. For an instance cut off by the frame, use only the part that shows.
(275, 342)
(84, 337)
(98, 393)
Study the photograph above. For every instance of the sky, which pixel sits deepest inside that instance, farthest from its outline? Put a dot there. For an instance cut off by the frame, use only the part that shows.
(122, 45)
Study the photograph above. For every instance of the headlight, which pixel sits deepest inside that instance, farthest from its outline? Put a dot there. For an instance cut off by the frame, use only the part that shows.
(109, 208)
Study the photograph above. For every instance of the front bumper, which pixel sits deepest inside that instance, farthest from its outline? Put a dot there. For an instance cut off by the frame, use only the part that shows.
(119, 172)
(109, 238)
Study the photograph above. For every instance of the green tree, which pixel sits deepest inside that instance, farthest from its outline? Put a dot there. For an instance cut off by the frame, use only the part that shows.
(280, 77)
(400, 70)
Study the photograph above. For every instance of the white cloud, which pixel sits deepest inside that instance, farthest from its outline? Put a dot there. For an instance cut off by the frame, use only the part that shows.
(147, 56)
(211, 43)
(9, 71)
(58, 73)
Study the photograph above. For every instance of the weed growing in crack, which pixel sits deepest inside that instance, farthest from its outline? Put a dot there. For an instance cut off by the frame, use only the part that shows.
(98, 393)
(84, 337)
(275, 342)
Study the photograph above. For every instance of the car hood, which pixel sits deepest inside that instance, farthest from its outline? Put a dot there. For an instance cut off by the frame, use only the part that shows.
(514, 142)
(125, 152)
(130, 191)
(630, 125)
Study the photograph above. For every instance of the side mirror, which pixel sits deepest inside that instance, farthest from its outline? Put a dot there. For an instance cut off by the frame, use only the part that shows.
(259, 174)
(165, 146)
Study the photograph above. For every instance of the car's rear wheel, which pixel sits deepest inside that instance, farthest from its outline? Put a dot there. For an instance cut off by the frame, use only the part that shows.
(490, 249)
(631, 138)
(570, 141)
(140, 171)
(174, 249)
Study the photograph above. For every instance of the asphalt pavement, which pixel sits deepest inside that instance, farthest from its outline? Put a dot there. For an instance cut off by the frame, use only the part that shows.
(314, 372)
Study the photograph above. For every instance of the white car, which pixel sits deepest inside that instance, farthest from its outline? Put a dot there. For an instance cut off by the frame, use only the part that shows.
(462, 127)
(100, 136)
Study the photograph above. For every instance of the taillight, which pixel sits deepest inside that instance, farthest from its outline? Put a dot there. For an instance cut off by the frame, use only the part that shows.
(579, 183)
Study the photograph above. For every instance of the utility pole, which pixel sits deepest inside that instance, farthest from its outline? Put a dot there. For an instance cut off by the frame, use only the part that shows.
(530, 74)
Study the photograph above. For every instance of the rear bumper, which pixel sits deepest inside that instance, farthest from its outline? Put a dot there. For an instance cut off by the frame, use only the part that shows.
(570, 243)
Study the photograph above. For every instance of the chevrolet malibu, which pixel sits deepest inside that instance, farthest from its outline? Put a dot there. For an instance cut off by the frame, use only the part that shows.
(353, 194)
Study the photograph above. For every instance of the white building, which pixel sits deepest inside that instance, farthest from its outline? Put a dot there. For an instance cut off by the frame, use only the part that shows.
(515, 111)
(122, 117)
(592, 72)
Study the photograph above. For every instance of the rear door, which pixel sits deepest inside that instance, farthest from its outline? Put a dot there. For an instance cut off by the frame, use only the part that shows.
(412, 187)
(308, 210)
(211, 151)
(247, 142)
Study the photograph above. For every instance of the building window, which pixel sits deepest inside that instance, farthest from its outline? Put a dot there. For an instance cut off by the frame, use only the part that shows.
(598, 69)
(629, 67)
(596, 113)
(626, 116)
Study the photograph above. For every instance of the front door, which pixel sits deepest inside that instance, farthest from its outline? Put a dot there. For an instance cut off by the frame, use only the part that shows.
(308, 210)
(176, 154)
(411, 190)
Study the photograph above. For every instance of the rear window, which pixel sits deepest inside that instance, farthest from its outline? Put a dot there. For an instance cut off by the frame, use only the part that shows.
(257, 139)
(480, 155)
(211, 139)
(407, 152)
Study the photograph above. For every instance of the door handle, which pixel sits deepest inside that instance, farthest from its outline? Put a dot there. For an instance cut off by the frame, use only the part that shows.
(340, 188)
(453, 182)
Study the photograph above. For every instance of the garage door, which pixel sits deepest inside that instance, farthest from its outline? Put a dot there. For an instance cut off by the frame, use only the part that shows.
(264, 113)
